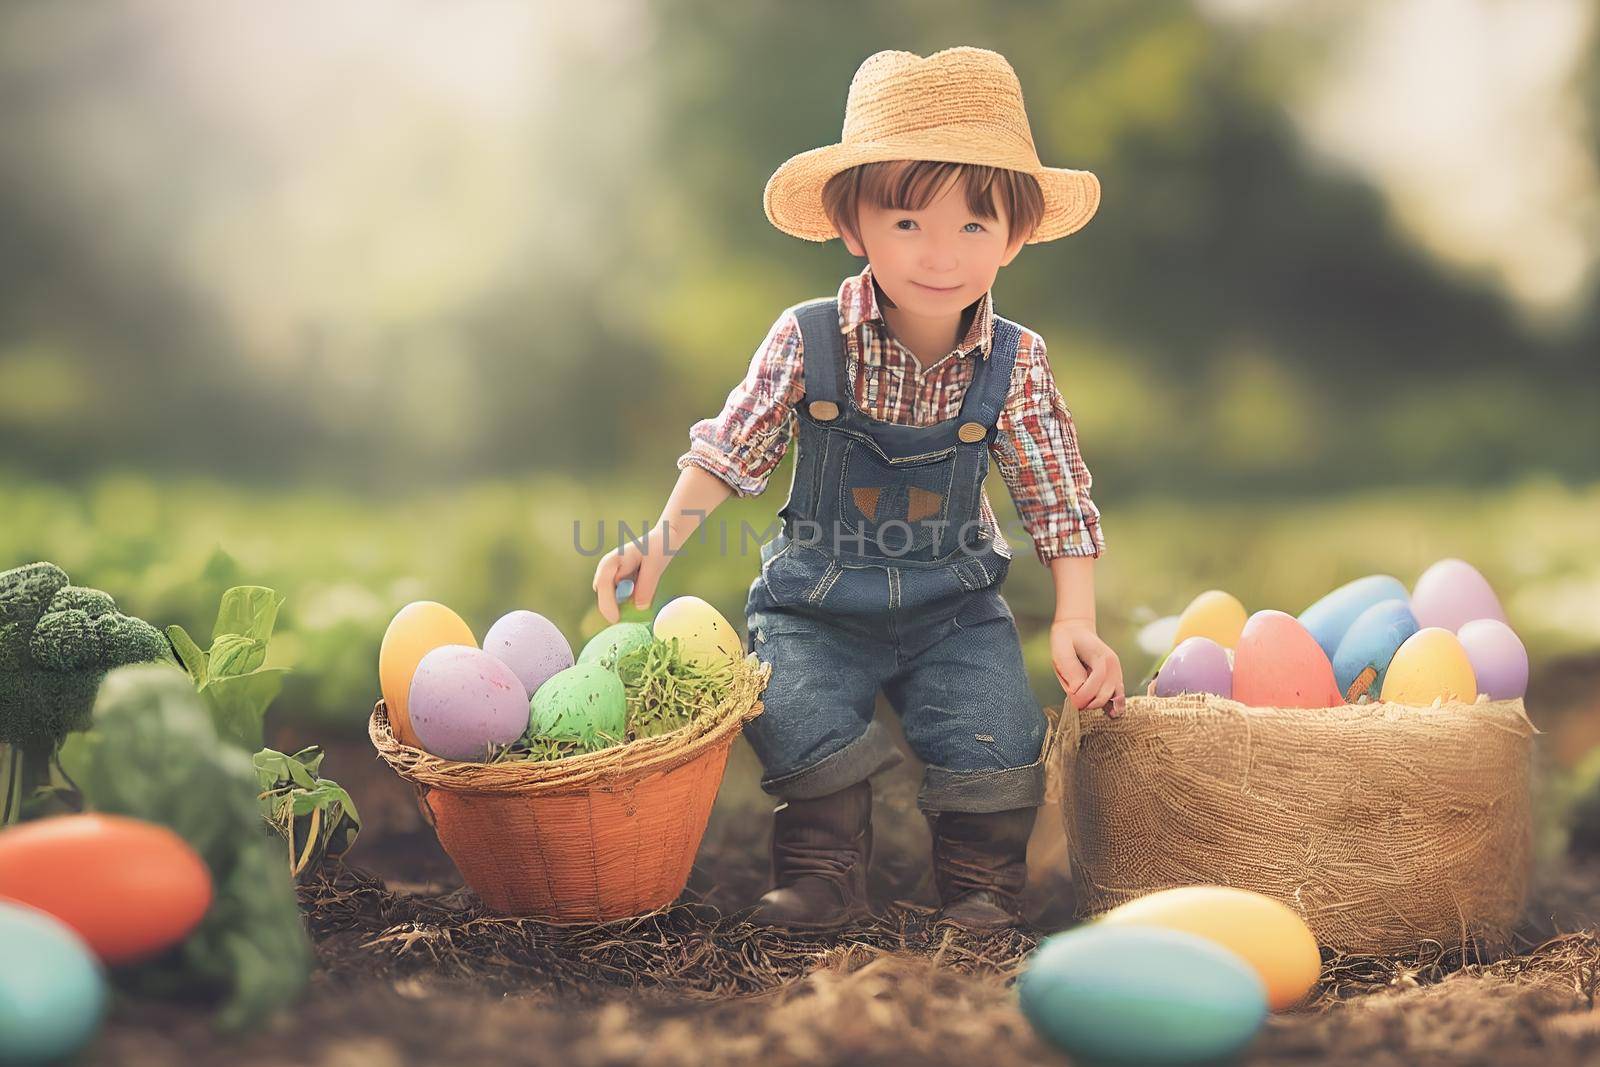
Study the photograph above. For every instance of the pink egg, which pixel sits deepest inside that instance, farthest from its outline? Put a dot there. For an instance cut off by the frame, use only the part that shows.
(1452, 593)
(1197, 665)
(530, 645)
(1279, 664)
(1498, 657)
(463, 700)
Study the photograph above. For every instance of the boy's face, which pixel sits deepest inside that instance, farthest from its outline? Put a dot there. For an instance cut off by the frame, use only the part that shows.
(936, 261)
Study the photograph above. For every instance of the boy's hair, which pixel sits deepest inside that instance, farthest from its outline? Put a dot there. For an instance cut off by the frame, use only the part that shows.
(910, 185)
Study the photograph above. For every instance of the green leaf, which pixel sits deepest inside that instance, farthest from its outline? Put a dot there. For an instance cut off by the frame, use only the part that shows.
(310, 757)
(274, 770)
(248, 611)
(235, 654)
(189, 654)
(238, 704)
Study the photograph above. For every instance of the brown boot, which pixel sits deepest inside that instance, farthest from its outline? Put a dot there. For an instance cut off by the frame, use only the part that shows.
(980, 863)
(820, 851)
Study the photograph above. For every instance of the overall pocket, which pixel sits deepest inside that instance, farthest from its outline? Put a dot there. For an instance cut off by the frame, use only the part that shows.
(892, 508)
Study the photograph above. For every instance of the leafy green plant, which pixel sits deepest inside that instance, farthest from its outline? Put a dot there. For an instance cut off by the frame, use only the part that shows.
(153, 752)
(313, 815)
(230, 675)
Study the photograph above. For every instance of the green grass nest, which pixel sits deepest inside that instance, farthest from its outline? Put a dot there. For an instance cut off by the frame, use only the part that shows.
(665, 692)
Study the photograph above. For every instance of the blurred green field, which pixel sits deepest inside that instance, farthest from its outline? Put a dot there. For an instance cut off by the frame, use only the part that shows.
(167, 548)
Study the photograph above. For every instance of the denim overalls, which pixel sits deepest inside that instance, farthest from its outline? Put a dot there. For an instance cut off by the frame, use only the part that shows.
(883, 578)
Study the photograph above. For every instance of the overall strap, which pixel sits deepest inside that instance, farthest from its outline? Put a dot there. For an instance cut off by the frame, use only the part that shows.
(990, 385)
(822, 370)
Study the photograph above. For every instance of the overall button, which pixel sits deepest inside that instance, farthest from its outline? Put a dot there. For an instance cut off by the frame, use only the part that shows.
(823, 410)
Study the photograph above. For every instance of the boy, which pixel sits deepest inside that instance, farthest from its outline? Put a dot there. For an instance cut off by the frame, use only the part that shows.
(888, 570)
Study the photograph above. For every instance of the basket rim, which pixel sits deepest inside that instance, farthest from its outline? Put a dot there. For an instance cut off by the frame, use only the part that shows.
(1150, 702)
(577, 773)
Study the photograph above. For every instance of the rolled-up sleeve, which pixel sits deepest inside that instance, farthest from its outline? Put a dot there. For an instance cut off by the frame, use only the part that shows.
(748, 437)
(1036, 448)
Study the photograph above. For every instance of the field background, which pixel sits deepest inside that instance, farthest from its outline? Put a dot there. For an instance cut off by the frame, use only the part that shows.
(388, 300)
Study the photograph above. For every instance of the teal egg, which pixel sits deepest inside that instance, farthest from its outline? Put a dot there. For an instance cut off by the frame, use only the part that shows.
(615, 640)
(52, 989)
(1330, 617)
(1124, 995)
(579, 704)
(1370, 643)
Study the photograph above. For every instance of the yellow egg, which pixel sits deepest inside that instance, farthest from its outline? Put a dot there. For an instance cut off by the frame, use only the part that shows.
(1212, 614)
(417, 629)
(704, 636)
(1264, 932)
(1430, 665)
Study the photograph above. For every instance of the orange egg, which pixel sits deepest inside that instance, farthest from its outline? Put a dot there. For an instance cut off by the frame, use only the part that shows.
(131, 888)
(416, 629)
(1279, 664)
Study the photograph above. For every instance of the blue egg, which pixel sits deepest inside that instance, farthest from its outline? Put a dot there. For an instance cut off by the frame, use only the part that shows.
(1371, 643)
(52, 988)
(1147, 995)
(1330, 617)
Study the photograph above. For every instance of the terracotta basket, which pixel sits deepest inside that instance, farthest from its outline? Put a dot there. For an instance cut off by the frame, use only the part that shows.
(588, 838)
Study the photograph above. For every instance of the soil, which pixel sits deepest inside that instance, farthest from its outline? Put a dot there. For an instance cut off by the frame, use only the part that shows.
(412, 970)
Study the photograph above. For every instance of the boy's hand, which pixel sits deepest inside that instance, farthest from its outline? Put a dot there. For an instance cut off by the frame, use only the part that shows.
(629, 560)
(1086, 667)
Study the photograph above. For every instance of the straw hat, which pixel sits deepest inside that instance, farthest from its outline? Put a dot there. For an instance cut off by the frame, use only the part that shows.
(961, 105)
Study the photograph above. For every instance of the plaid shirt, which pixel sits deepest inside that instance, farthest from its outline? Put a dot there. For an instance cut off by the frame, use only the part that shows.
(1035, 445)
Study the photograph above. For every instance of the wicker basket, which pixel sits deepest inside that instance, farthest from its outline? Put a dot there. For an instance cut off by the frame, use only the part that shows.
(1382, 825)
(586, 838)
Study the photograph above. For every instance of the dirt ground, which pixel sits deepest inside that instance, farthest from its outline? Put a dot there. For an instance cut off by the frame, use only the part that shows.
(412, 971)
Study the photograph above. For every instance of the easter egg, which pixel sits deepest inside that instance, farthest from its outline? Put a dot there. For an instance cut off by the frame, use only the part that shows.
(1197, 665)
(1279, 664)
(1329, 618)
(1141, 995)
(130, 888)
(614, 641)
(704, 636)
(582, 703)
(1452, 593)
(463, 701)
(415, 630)
(1499, 660)
(52, 988)
(1368, 647)
(1263, 932)
(530, 645)
(1431, 665)
(1212, 614)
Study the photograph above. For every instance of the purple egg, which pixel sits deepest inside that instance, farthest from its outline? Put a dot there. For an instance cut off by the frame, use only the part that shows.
(1452, 593)
(1197, 665)
(530, 645)
(1498, 658)
(463, 700)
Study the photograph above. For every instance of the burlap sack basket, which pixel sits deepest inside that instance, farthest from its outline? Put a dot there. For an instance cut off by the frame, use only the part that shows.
(587, 838)
(1383, 825)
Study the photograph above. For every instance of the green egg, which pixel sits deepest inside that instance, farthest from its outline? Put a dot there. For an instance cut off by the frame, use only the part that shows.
(579, 704)
(615, 640)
